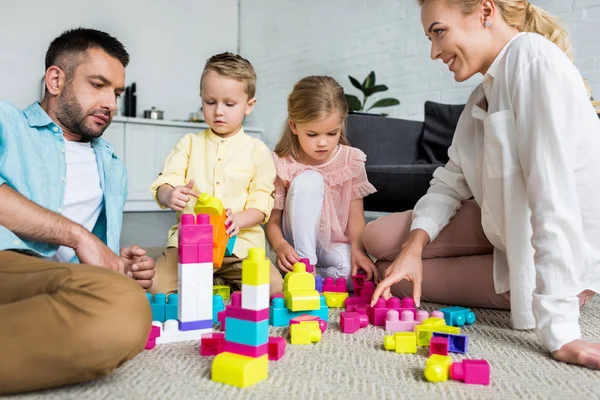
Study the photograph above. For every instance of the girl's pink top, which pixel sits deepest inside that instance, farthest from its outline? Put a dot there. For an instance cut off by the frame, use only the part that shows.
(345, 180)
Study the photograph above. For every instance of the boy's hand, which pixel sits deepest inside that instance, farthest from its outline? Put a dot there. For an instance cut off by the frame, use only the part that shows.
(360, 260)
(231, 223)
(179, 196)
(286, 257)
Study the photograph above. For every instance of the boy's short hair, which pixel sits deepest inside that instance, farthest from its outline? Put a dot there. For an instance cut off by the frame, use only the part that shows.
(232, 66)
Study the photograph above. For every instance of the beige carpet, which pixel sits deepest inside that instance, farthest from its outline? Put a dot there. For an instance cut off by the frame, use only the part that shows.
(357, 367)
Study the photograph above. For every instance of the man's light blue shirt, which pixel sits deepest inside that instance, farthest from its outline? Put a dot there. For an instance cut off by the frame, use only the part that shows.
(32, 162)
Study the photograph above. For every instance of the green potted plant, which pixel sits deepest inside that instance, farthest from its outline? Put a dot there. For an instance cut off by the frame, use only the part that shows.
(368, 88)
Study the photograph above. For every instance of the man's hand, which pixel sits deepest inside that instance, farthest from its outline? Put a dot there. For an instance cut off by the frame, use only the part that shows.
(140, 265)
(91, 250)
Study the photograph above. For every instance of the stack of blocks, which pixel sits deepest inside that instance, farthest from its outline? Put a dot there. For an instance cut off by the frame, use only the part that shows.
(335, 293)
(244, 361)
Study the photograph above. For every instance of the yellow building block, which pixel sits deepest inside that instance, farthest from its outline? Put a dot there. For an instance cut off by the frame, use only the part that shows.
(433, 321)
(256, 268)
(208, 205)
(305, 332)
(430, 325)
(241, 371)
(335, 299)
(437, 368)
(401, 342)
(299, 292)
(222, 290)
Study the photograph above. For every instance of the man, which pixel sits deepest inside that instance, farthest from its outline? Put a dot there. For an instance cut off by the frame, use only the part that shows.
(71, 309)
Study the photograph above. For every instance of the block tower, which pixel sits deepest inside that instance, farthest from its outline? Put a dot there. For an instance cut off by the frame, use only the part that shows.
(245, 359)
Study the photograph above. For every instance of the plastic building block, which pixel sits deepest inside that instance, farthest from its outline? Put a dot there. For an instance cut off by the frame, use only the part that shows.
(456, 343)
(299, 290)
(359, 309)
(401, 342)
(309, 267)
(407, 323)
(214, 208)
(366, 291)
(303, 318)
(281, 316)
(246, 350)
(475, 372)
(437, 368)
(319, 284)
(223, 291)
(157, 305)
(340, 285)
(256, 268)
(241, 371)
(305, 333)
(195, 239)
(221, 317)
(438, 345)
(358, 282)
(378, 312)
(246, 332)
(458, 316)
(195, 295)
(230, 246)
(218, 306)
(172, 306)
(212, 344)
(276, 348)
(237, 310)
(170, 332)
(351, 322)
(335, 299)
(430, 325)
(154, 333)
(276, 295)
(255, 297)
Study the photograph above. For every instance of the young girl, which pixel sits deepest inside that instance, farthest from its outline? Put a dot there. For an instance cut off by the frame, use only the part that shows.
(526, 149)
(321, 181)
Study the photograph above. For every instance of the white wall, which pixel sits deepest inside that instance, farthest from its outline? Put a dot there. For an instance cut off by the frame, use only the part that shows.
(168, 42)
(286, 40)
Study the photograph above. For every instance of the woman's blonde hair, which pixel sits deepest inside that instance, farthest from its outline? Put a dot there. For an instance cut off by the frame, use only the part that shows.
(313, 98)
(526, 17)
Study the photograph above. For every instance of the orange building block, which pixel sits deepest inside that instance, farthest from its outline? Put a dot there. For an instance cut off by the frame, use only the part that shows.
(214, 208)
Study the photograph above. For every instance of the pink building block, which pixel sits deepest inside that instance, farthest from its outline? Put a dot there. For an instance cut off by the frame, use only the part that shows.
(437, 314)
(302, 318)
(212, 344)
(358, 308)
(358, 282)
(309, 268)
(475, 372)
(154, 333)
(340, 285)
(366, 291)
(195, 239)
(438, 345)
(377, 313)
(221, 317)
(246, 350)
(350, 322)
(407, 323)
(276, 348)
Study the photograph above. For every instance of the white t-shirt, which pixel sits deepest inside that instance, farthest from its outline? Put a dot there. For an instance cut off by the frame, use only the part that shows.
(83, 194)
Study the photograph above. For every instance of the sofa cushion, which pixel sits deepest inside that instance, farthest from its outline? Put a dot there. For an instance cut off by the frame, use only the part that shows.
(438, 131)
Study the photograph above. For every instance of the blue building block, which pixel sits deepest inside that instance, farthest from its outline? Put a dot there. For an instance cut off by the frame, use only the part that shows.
(247, 332)
(218, 306)
(279, 315)
(230, 246)
(458, 316)
(456, 343)
(157, 305)
(319, 284)
(172, 307)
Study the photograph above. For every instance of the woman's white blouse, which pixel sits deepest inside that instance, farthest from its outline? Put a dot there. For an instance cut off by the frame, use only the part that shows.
(527, 148)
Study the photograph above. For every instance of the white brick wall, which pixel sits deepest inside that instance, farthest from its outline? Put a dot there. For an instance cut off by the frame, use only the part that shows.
(287, 39)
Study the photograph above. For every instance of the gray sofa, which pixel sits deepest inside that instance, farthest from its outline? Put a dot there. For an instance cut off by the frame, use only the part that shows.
(402, 154)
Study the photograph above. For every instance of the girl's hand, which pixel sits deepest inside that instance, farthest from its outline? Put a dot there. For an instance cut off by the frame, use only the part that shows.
(231, 223)
(581, 353)
(286, 257)
(360, 260)
(408, 265)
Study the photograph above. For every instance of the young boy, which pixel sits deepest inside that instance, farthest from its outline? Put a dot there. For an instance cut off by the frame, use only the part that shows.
(223, 162)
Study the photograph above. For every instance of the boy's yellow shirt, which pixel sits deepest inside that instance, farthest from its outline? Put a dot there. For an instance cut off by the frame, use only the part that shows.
(238, 170)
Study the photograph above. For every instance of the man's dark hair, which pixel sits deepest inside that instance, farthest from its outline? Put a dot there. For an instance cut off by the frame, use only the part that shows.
(66, 50)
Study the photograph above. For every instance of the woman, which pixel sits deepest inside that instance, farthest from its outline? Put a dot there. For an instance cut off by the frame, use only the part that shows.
(525, 149)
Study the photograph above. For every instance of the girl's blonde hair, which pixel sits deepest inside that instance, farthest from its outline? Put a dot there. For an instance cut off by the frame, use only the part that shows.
(526, 17)
(313, 98)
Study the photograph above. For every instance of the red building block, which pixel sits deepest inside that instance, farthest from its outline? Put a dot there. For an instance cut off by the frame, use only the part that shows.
(195, 238)
(151, 342)
(302, 318)
(246, 350)
(340, 285)
(475, 372)
(358, 282)
(212, 344)
(350, 322)
(276, 348)
(309, 268)
(438, 345)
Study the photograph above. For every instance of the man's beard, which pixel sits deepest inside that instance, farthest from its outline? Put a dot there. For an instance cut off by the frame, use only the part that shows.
(71, 115)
